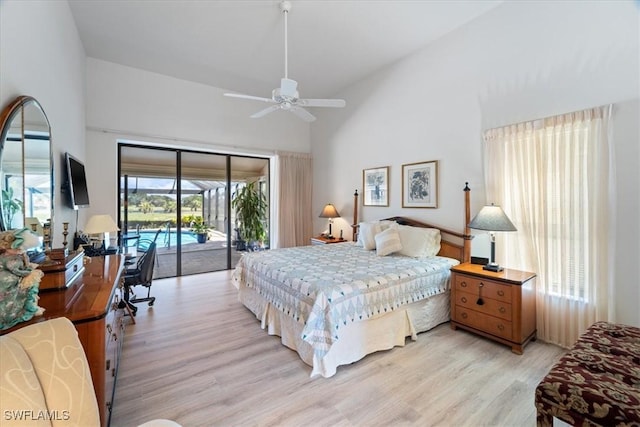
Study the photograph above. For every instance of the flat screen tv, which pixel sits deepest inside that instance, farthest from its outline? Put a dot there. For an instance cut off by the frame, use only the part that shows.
(76, 182)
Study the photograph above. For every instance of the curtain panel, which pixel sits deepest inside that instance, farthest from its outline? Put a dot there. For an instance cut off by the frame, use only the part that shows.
(553, 177)
(295, 175)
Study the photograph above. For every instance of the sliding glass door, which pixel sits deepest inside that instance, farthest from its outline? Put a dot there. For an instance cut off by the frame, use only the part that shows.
(181, 199)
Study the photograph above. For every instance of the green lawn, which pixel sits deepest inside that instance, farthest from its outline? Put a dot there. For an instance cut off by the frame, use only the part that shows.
(158, 218)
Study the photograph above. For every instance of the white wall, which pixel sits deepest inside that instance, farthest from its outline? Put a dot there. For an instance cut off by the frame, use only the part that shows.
(138, 105)
(41, 55)
(522, 60)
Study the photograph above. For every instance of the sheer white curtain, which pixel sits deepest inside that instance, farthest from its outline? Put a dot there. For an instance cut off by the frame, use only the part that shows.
(553, 177)
(293, 199)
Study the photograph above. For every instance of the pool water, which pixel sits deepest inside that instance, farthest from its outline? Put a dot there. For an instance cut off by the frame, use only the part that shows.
(165, 240)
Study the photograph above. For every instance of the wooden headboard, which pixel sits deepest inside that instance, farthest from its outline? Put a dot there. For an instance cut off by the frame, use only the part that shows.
(453, 244)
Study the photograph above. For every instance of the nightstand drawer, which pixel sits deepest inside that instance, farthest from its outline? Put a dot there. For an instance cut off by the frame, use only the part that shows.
(508, 314)
(490, 289)
(484, 322)
(491, 307)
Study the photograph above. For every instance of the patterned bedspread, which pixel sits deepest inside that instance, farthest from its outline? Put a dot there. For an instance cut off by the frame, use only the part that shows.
(326, 287)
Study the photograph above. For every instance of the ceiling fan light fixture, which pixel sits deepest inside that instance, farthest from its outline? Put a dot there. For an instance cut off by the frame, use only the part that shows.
(289, 87)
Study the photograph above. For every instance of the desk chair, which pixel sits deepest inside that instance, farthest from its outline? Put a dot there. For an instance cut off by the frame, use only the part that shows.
(141, 275)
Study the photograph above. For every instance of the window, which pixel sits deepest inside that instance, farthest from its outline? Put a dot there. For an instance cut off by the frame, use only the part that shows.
(551, 177)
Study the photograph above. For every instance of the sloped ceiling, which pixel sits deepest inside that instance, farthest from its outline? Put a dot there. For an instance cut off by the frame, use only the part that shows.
(239, 45)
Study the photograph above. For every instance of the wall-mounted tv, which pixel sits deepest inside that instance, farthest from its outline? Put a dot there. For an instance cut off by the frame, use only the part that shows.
(76, 182)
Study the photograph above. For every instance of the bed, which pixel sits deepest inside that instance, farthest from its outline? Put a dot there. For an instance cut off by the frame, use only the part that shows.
(334, 304)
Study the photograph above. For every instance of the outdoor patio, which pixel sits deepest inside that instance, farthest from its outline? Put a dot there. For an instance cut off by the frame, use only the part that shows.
(196, 257)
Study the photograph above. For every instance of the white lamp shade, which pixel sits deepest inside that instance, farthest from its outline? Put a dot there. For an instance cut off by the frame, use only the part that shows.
(329, 211)
(101, 224)
(29, 222)
(492, 218)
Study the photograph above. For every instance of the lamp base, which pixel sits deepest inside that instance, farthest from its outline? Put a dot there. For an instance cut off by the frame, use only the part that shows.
(493, 267)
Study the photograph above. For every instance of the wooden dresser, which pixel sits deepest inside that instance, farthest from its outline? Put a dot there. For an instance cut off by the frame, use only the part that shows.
(500, 306)
(91, 303)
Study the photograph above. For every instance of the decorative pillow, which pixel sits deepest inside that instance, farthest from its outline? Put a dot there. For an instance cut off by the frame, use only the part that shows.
(384, 224)
(367, 233)
(388, 242)
(419, 242)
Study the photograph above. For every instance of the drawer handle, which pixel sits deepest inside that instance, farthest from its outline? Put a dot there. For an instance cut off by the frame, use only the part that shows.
(463, 284)
(464, 315)
(501, 327)
(500, 293)
(481, 284)
(463, 299)
(109, 329)
(115, 337)
(502, 310)
(75, 268)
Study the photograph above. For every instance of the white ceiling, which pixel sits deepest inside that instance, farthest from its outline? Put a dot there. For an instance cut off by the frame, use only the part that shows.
(239, 45)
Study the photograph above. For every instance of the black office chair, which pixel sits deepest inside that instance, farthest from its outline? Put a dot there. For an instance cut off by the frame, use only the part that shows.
(141, 275)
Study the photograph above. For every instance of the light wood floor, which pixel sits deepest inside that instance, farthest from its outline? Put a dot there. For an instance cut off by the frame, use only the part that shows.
(200, 358)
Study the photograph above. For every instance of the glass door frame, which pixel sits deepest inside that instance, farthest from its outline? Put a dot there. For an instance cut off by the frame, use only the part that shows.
(123, 200)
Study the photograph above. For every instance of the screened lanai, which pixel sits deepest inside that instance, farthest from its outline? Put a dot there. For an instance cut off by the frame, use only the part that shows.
(177, 193)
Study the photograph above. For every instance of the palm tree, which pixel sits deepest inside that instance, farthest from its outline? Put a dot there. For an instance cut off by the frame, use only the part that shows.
(146, 207)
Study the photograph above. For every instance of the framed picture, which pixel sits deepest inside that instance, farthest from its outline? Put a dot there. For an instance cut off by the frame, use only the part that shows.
(420, 185)
(375, 186)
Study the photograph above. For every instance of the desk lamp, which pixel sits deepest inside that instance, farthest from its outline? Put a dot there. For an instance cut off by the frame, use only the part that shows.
(101, 224)
(492, 218)
(35, 226)
(329, 211)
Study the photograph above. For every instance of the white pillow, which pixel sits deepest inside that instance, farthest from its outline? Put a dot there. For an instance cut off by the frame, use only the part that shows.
(388, 242)
(419, 242)
(367, 233)
(384, 224)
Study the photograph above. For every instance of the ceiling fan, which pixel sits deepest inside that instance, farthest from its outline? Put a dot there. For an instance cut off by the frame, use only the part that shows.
(286, 97)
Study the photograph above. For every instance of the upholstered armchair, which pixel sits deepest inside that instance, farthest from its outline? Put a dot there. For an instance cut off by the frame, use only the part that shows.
(45, 378)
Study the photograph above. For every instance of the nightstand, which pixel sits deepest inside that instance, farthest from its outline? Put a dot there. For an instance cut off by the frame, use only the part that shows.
(322, 240)
(500, 306)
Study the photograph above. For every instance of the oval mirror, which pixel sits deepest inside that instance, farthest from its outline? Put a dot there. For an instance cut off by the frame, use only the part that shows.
(26, 166)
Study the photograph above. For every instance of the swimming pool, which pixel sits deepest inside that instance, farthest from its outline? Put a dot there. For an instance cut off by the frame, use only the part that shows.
(165, 240)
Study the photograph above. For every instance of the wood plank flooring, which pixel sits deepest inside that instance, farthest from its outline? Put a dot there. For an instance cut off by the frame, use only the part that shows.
(199, 357)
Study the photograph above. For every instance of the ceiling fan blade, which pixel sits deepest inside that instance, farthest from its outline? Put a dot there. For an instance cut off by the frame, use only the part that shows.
(338, 103)
(303, 114)
(251, 97)
(264, 112)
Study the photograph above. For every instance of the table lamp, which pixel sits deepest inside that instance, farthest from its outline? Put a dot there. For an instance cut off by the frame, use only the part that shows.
(329, 211)
(34, 225)
(492, 218)
(101, 224)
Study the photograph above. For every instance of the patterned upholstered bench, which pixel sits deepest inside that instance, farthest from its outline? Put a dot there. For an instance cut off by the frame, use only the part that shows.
(597, 382)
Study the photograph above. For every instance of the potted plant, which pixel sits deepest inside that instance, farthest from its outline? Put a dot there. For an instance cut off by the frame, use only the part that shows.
(201, 230)
(10, 206)
(251, 212)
